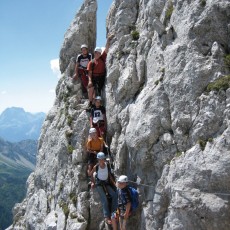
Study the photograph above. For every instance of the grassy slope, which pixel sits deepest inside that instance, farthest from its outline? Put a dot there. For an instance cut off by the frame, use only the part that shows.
(12, 189)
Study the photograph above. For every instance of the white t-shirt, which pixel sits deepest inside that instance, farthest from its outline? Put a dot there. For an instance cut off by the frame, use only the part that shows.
(102, 174)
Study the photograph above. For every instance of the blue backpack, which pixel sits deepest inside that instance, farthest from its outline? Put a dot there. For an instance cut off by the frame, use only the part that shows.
(134, 198)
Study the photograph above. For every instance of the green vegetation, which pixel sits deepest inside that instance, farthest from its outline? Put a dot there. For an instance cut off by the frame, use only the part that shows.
(158, 81)
(70, 149)
(69, 120)
(65, 208)
(12, 190)
(203, 3)
(221, 83)
(61, 186)
(73, 197)
(169, 11)
(135, 35)
(202, 144)
(68, 133)
(210, 140)
(227, 60)
(178, 154)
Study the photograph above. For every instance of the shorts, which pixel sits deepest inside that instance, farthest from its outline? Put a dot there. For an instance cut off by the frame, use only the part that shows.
(98, 83)
(100, 128)
(92, 159)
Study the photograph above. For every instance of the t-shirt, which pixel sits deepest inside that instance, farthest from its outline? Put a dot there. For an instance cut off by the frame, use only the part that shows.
(95, 145)
(99, 65)
(84, 60)
(124, 197)
(103, 173)
(98, 112)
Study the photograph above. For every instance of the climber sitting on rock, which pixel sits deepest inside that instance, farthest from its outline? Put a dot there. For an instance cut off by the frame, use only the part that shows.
(124, 201)
(94, 145)
(97, 71)
(98, 117)
(102, 178)
(81, 68)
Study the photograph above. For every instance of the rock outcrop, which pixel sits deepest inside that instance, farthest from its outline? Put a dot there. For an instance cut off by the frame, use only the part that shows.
(168, 103)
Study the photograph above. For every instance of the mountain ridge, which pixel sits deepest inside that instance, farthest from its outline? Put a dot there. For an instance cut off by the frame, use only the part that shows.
(17, 125)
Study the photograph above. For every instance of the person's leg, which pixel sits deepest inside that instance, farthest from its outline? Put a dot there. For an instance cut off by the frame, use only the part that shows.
(104, 202)
(91, 94)
(101, 83)
(114, 221)
(113, 194)
(90, 167)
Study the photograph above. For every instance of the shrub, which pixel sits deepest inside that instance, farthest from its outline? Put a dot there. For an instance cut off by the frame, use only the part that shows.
(202, 144)
(169, 11)
(203, 3)
(70, 149)
(221, 83)
(210, 140)
(69, 120)
(73, 197)
(61, 186)
(178, 154)
(135, 35)
(227, 60)
(65, 209)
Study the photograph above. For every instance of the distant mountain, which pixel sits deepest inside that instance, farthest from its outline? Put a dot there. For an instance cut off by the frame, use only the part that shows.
(17, 161)
(17, 125)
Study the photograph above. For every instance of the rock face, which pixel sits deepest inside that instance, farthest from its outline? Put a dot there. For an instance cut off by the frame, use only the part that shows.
(81, 31)
(166, 123)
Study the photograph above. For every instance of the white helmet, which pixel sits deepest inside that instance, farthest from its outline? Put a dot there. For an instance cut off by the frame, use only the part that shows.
(122, 179)
(84, 46)
(95, 120)
(98, 49)
(98, 98)
(92, 130)
(100, 155)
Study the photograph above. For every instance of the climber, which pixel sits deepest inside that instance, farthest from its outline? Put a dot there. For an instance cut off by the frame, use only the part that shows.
(98, 117)
(124, 201)
(81, 68)
(106, 188)
(94, 145)
(97, 71)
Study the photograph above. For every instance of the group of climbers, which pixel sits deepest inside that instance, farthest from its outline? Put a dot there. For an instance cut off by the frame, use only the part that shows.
(115, 198)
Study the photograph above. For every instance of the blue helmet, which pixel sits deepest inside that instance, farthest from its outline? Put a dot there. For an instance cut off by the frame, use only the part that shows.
(100, 155)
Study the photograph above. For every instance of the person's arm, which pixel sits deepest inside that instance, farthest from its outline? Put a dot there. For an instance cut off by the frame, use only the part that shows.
(92, 177)
(102, 144)
(90, 73)
(127, 210)
(109, 38)
(75, 76)
(91, 121)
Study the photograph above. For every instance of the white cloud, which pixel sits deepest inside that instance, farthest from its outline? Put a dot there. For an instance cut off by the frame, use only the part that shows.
(54, 65)
(3, 92)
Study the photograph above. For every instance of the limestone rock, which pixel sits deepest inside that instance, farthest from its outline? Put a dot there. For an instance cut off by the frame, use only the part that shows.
(81, 31)
(164, 127)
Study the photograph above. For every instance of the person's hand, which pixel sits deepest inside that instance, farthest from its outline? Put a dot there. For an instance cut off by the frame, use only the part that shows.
(110, 37)
(90, 84)
(126, 215)
(75, 76)
(92, 185)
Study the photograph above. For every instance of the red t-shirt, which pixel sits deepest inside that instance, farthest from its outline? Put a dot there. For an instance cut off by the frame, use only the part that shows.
(99, 65)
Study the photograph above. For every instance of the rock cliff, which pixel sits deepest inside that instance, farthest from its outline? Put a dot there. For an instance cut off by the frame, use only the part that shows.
(167, 98)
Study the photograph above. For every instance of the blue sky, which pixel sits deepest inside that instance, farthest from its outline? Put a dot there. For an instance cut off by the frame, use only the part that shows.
(32, 33)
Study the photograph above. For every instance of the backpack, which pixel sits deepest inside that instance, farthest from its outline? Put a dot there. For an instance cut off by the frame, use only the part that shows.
(134, 195)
